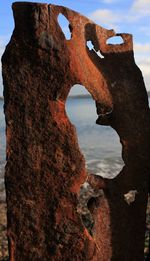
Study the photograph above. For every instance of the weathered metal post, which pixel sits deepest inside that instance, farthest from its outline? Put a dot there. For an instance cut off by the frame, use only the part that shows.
(45, 167)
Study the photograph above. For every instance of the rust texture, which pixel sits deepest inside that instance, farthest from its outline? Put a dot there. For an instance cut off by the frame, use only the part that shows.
(45, 167)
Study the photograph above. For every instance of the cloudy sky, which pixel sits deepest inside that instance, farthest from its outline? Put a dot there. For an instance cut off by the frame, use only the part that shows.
(129, 16)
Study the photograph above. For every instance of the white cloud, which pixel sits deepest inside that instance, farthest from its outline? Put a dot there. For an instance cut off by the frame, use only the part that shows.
(142, 58)
(2, 46)
(141, 7)
(141, 4)
(145, 68)
(105, 17)
(136, 20)
(112, 19)
(142, 48)
(144, 64)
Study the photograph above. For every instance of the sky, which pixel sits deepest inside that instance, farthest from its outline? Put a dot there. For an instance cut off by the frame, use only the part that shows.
(129, 16)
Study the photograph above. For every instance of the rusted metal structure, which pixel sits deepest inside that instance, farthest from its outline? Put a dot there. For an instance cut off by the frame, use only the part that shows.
(45, 167)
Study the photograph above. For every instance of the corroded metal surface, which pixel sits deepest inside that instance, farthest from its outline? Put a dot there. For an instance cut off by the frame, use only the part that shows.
(45, 167)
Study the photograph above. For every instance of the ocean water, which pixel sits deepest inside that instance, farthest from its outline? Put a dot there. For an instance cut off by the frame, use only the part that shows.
(99, 144)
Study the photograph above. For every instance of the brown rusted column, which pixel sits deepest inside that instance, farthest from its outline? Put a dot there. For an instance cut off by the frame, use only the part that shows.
(45, 167)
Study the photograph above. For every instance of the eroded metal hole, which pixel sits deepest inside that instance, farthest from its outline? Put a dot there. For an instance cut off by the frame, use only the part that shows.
(90, 46)
(115, 40)
(65, 26)
(100, 145)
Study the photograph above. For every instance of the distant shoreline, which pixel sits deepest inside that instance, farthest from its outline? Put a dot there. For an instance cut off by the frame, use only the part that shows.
(87, 96)
(79, 96)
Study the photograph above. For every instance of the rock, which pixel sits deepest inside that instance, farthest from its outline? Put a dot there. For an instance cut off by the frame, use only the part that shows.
(3, 237)
(45, 167)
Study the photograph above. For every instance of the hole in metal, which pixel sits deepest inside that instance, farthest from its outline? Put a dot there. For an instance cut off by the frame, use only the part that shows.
(65, 26)
(100, 144)
(90, 46)
(115, 40)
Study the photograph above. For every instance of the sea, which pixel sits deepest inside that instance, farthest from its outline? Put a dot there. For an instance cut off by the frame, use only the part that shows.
(100, 145)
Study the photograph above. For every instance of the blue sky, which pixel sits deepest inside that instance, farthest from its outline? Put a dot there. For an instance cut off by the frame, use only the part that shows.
(130, 16)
